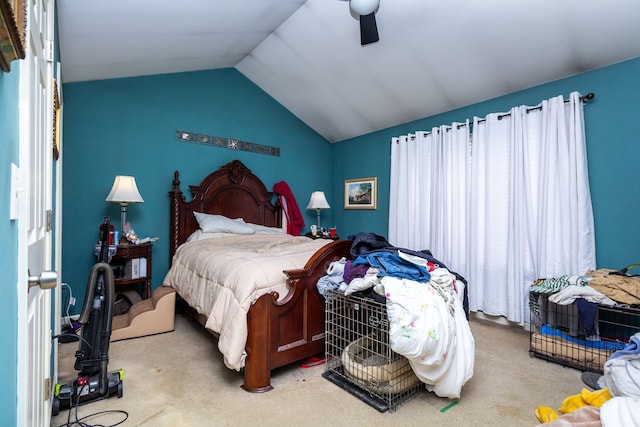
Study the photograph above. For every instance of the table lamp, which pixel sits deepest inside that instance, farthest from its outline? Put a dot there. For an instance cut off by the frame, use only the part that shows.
(318, 201)
(124, 191)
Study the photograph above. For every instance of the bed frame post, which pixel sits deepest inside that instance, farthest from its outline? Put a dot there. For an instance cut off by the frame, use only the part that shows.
(177, 198)
(257, 368)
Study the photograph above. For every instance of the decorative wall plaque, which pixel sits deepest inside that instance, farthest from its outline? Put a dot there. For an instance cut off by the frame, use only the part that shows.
(230, 143)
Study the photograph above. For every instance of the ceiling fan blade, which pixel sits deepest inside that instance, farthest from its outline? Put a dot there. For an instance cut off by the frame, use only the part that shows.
(368, 29)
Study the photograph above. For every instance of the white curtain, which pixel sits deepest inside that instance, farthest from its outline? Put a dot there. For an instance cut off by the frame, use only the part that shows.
(509, 208)
(428, 179)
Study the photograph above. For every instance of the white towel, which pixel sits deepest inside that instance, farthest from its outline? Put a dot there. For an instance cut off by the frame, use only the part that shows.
(620, 411)
(569, 294)
(336, 268)
(622, 375)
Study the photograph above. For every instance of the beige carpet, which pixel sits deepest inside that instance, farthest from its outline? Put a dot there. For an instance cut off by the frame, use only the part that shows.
(179, 379)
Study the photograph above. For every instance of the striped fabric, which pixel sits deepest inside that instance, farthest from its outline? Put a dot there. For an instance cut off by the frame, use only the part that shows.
(551, 286)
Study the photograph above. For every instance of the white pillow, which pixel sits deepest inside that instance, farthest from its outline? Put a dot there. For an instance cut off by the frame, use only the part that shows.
(262, 229)
(201, 235)
(221, 224)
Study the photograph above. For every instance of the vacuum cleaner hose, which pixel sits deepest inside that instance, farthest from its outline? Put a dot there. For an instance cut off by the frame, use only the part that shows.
(96, 270)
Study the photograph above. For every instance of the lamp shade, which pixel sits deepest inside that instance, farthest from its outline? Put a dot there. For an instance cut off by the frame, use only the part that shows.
(124, 190)
(318, 201)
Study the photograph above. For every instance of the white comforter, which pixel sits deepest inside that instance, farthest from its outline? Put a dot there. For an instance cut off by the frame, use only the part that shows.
(222, 277)
(427, 325)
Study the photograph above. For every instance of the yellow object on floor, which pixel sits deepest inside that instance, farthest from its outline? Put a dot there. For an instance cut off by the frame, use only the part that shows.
(596, 398)
(585, 398)
(546, 414)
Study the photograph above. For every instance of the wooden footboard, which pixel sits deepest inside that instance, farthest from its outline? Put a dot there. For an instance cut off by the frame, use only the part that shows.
(284, 332)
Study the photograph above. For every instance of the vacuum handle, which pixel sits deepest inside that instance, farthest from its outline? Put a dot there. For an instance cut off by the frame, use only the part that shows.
(104, 244)
(101, 267)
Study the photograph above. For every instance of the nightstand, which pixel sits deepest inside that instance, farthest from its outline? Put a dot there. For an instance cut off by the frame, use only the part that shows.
(132, 266)
(319, 236)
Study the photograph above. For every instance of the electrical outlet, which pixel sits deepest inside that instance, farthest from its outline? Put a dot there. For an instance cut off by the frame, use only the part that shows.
(72, 301)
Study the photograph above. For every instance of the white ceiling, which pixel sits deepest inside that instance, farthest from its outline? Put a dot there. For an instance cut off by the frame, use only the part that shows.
(433, 55)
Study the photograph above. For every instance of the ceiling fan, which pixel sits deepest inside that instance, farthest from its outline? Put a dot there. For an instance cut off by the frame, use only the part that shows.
(366, 12)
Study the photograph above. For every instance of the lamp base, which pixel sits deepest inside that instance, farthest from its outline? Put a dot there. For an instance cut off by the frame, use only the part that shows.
(123, 219)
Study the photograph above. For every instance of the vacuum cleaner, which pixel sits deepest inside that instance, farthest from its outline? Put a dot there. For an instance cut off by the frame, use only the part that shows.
(94, 382)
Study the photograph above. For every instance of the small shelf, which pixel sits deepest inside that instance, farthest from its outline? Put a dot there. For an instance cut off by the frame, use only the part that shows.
(133, 260)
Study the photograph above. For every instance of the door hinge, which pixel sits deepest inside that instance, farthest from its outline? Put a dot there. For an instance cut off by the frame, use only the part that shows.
(49, 219)
(47, 388)
(48, 54)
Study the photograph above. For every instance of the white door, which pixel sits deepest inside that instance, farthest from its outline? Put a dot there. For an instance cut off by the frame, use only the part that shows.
(34, 220)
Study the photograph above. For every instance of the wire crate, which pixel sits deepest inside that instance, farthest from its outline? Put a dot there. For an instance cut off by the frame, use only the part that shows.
(359, 357)
(559, 334)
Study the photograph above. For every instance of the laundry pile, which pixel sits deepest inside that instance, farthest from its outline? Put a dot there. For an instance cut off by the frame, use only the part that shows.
(426, 307)
(602, 286)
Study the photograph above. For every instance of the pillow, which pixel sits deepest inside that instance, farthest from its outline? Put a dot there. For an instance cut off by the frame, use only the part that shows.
(221, 224)
(262, 229)
(201, 235)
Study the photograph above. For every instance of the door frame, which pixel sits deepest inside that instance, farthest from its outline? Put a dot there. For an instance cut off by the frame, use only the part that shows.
(41, 111)
(56, 301)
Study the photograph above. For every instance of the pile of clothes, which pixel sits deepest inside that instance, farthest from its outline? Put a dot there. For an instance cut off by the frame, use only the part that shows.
(588, 291)
(426, 305)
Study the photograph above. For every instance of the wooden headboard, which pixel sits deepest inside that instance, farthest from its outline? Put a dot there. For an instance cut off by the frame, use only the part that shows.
(233, 191)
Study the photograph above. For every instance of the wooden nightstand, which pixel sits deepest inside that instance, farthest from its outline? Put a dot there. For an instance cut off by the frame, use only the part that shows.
(319, 236)
(132, 266)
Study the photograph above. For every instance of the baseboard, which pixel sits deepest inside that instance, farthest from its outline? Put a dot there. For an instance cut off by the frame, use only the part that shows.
(500, 320)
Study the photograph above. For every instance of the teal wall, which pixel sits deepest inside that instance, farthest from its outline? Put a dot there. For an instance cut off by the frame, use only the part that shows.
(613, 149)
(9, 237)
(126, 127)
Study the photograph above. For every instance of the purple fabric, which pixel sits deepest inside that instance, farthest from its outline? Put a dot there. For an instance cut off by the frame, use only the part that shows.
(350, 272)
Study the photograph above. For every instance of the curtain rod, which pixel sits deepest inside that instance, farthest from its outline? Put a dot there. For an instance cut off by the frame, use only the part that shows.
(584, 98)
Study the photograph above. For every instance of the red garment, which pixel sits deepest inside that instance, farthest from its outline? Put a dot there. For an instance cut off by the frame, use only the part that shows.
(294, 217)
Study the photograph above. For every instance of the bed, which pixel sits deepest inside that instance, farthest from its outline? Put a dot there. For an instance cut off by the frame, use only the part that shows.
(282, 326)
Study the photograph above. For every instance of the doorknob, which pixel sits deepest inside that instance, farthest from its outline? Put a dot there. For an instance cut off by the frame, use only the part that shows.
(46, 280)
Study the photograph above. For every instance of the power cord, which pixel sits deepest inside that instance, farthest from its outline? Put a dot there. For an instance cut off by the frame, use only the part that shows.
(70, 302)
(80, 421)
(76, 336)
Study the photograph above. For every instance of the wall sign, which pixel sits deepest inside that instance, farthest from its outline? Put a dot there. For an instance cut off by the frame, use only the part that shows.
(231, 144)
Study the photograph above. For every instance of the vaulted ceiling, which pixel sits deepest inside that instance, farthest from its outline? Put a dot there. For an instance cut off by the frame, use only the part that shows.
(433, 55)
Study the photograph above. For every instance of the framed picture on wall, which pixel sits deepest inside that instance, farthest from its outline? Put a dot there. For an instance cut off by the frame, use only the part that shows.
(360, 193)
(13, 27)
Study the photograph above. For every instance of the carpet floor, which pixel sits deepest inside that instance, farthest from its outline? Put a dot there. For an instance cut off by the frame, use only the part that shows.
(179, 379)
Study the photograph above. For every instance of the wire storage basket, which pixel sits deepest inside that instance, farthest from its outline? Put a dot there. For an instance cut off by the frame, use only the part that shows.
(559, 333)
(359, 357)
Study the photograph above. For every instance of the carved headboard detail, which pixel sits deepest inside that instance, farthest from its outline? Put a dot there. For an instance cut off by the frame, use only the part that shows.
(232, 190)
